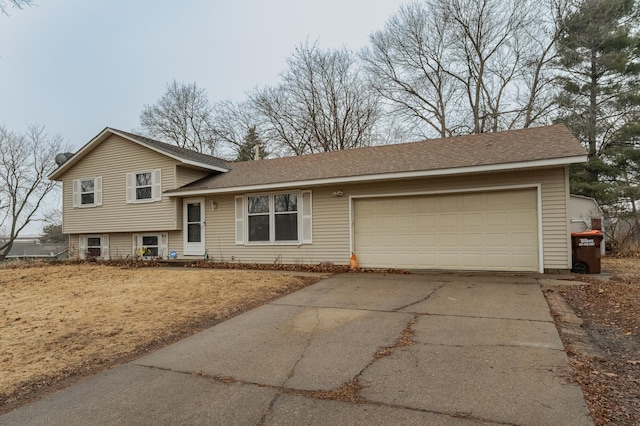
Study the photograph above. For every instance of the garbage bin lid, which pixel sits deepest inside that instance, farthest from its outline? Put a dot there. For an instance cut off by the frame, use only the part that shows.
(591, 233)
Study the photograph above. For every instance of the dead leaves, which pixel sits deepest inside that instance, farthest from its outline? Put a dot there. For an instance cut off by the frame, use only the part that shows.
(610, 383)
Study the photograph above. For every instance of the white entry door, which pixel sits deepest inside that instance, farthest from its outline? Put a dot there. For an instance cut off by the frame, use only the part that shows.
(193, 213)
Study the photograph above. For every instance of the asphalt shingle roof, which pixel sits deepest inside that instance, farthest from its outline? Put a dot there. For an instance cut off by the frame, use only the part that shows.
(517, 146)
(177, 151)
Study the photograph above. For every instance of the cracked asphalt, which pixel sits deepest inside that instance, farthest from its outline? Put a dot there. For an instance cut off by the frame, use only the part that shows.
(362, 349)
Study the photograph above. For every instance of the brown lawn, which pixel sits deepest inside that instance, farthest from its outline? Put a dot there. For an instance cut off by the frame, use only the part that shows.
(621, 266)
(609, 372)
(70, 320)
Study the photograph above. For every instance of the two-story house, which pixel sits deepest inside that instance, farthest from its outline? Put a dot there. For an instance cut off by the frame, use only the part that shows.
(495, 201)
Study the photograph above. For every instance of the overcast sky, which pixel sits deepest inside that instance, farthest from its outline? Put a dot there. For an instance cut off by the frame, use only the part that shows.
(78, 66)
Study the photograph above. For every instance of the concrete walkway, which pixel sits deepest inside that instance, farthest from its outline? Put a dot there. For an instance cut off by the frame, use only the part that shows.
(436, 349)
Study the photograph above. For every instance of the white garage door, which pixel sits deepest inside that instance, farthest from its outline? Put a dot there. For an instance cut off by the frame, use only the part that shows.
(495, 231)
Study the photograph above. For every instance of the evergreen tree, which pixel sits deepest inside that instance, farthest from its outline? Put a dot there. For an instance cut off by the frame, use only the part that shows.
(53, 234)
(599, 52)
(247, 150)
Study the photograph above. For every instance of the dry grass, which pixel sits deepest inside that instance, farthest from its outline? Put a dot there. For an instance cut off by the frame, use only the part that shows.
(610, 379)
(59, 321)
(621, 266)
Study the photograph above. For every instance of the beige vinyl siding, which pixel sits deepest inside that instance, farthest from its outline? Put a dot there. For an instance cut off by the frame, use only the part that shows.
(121, 244)
(330, 234)
(185, 175)
(112, 160)
(331, 239)
(74, 244)
(176, 243)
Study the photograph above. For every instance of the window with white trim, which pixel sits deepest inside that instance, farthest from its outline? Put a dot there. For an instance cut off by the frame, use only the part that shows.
(144, 186)
(87, 192)
(285, 215)
(278, 218)
(93, 246)
(258, 218)
(151, 245)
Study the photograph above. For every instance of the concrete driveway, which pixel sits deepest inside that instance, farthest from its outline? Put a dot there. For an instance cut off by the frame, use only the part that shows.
(432, 349)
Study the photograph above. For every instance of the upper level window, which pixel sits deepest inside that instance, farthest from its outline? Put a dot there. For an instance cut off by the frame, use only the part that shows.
(144, 186)
(87, 192)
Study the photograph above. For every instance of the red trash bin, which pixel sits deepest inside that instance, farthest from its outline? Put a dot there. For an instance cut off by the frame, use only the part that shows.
(585, 248)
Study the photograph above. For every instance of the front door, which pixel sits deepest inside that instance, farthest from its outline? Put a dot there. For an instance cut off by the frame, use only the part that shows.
(193, 213)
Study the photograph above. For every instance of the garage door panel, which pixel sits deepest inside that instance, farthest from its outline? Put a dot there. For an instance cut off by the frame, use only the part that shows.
(473, 241)
(522, 260)
(498, 261)
(498, 219)
(451, 221)
(407, 241)
(406, 259)
(472, 202)
(427, 258)
(386, 241)
(473, 260)
(471, 221)
(522, 218)
(449, 260)
(450, 240)
(427, 221)
(523, 240)
(497, 240)
(448, 203)
(426, 205)
(491, 230)
(522, 200)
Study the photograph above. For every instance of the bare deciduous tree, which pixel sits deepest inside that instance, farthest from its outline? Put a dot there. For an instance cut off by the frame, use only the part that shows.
(184, 116)
(466, 66)
(406, 66)
(25, 164)
(233, 121)
(17, 4)
(322, 104)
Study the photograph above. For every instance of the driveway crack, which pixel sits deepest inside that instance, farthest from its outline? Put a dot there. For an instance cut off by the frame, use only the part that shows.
(269, 408)
(423, 299)
(302, 353)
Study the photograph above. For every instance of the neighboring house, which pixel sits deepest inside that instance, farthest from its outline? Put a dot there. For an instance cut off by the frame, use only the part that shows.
(33, 249)
(582, 212)
(623, 232)
(496, 201)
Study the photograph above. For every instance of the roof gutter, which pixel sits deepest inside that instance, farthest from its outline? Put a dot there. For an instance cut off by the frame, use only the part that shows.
(383, 176)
